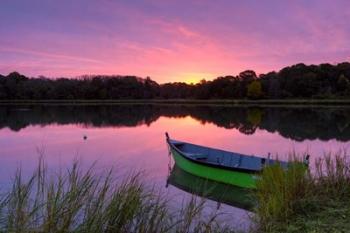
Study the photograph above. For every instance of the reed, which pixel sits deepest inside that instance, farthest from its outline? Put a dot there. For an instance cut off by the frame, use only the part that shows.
(77, 200)
(297, 200)
(80, 200)
(333, 175)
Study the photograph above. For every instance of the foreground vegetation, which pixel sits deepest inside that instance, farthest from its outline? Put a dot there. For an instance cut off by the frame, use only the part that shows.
(82, 201)
(300, 81)
(77, 200)
(290, 201)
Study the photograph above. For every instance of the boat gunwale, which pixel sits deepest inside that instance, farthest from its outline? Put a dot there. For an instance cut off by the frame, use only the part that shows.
(238, 169)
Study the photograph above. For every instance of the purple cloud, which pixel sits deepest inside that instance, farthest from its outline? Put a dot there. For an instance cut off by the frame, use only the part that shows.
(169, 40)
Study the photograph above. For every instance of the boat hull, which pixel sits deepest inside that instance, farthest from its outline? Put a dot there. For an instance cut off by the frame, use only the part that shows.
(231, 177)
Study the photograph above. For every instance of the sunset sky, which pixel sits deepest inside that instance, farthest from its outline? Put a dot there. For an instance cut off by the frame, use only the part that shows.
(170, 40)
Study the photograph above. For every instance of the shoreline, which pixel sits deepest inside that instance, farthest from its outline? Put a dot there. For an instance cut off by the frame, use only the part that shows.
(224, 102)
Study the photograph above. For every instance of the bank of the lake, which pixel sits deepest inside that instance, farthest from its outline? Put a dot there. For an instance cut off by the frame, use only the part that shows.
(290, 201)
(228, 102)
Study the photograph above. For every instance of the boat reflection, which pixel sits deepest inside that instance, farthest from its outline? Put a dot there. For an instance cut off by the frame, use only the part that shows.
(222, 193)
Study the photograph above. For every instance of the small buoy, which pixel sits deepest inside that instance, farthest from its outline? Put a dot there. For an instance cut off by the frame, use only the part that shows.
(85, 137)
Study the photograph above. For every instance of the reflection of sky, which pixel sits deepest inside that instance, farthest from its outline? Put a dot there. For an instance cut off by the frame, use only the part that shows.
(142, 147)
(169, 40)
(137, 148)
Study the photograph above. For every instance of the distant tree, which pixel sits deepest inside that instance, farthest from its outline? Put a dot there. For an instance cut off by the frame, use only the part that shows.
(247, 75)
(254, 90)
(202, 90)
(271, 84)
(102, 93)
(296, 81)
(151, 89)
(343, 85)
(344, 68)
(17, 76)
(3, 94)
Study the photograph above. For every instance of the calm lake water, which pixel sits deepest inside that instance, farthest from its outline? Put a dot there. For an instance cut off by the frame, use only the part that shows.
(131, 137)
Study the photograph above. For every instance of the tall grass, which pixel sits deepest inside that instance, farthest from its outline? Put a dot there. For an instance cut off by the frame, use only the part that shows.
(277, 192)
(82, 201)
(295, 197)
(79, 200)
(333, 175)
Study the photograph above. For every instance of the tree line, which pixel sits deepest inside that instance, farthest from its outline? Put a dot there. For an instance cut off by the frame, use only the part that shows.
(297, 81)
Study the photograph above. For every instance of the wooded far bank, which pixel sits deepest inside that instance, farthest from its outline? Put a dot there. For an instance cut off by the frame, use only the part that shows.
(300, 82)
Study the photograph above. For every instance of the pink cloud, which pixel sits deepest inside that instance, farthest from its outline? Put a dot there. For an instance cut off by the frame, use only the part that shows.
(171, 40)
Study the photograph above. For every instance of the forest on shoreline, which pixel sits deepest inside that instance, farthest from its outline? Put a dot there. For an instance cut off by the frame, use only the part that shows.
(300, 81)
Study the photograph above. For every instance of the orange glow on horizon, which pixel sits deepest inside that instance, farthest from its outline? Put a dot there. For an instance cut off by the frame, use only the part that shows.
(148, 38)
(194, 77)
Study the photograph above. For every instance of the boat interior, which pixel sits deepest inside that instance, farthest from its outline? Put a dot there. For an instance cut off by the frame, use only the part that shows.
(223, 158)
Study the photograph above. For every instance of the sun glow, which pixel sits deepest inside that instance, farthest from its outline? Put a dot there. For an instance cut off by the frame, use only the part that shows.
(194, 78)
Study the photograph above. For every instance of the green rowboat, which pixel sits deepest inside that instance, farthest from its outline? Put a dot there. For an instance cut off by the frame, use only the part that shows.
(219, 165)
(219, 192)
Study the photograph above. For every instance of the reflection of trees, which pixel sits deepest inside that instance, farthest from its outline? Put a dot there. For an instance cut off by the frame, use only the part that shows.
(17, 118)
(295, 123)
(301, 124)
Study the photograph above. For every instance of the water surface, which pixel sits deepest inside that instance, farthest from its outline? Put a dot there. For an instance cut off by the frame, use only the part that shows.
(131, 137)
